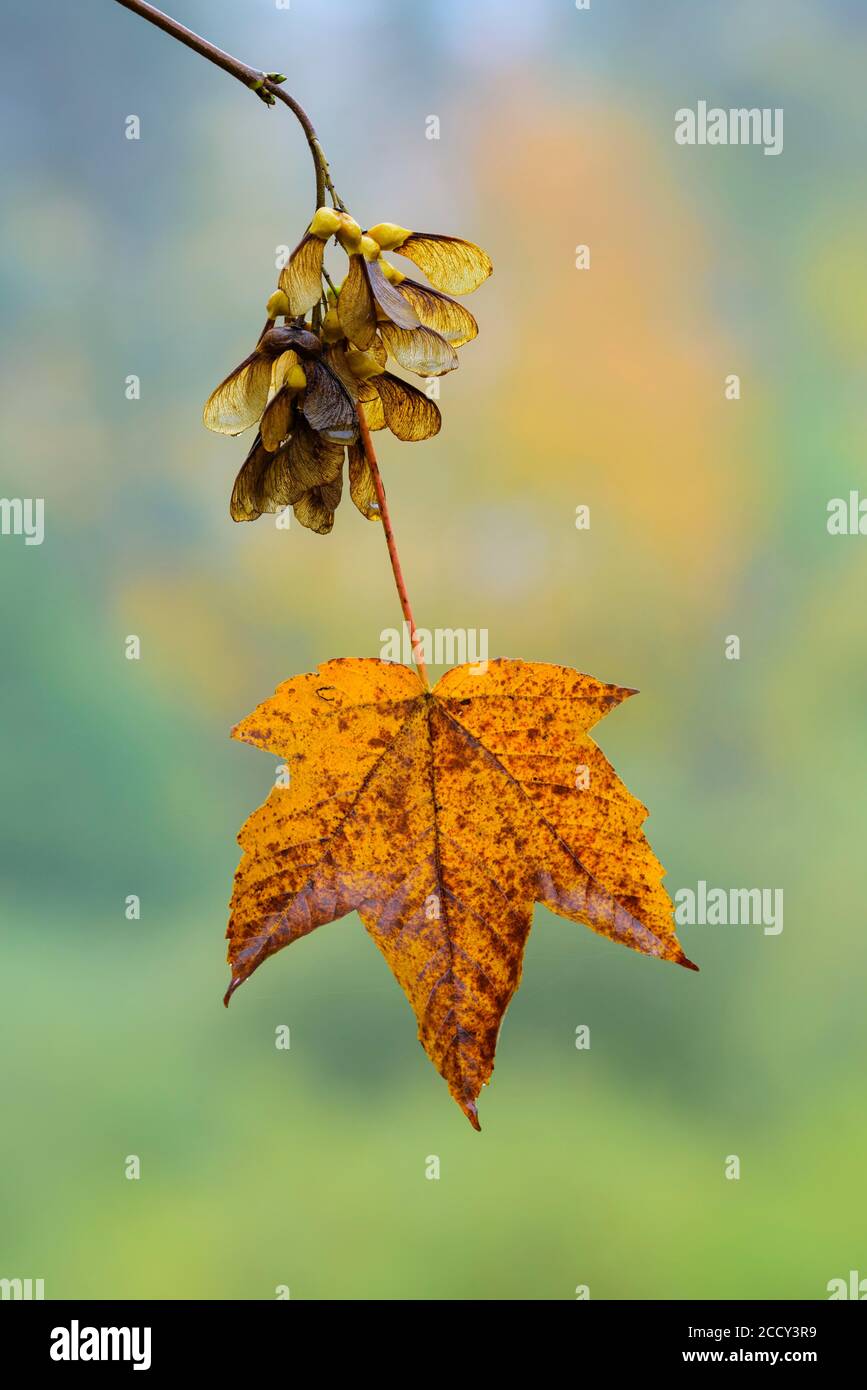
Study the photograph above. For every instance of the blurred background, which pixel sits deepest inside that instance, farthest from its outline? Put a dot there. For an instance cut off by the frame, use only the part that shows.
(306, 1167)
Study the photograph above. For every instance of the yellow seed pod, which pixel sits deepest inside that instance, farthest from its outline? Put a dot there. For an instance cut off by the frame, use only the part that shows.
(389, 235)
(331, 330)
(349, 234)
(295, 379)
(363, 364)
(277, 305)
(326, 222)
(391, 272)
(279, 368)
(369, 248)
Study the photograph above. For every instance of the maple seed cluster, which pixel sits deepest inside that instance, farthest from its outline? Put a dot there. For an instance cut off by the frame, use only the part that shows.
(306, 379)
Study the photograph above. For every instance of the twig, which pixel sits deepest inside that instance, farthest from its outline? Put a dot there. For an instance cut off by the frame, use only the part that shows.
(370, 454)
(266, 85)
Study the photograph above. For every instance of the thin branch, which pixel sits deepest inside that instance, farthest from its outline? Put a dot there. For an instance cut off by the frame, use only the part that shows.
(370, 454)
(266, 85)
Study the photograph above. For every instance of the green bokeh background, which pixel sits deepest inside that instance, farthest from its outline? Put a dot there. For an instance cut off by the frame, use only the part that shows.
(306, 1168)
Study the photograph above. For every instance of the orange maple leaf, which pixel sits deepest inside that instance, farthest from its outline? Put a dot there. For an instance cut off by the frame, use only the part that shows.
(441, 816)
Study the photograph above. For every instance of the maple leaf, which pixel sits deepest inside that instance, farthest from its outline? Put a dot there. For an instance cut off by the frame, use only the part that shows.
(441, 816)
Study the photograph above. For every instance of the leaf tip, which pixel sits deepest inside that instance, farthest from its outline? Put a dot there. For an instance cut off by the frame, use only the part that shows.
(245, 732)
(236, 981)
(470, 1109)
(685, 961)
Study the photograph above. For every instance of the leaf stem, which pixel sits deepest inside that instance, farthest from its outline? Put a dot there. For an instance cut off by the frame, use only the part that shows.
(400, 583)
(265, 85)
